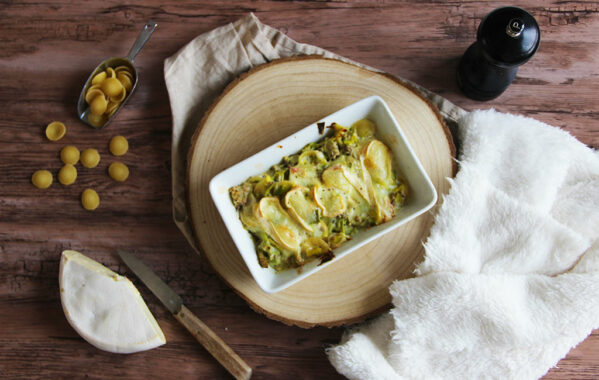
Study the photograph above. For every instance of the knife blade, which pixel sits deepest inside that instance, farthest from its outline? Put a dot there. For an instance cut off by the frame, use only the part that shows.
(203, 334)
(165, 294)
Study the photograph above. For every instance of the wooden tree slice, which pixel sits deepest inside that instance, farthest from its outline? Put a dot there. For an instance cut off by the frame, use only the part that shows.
(270, 103)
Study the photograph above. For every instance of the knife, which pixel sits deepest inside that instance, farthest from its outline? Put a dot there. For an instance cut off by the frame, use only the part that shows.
(207, 338)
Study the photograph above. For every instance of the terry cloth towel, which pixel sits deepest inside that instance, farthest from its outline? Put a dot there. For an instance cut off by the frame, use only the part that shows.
(474, 311)
(510, 279)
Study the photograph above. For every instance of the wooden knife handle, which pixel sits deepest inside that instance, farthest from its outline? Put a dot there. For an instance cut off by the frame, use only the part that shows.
(215, 345)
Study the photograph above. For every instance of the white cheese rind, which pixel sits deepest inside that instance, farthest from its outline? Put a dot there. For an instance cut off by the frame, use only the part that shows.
(104, 307)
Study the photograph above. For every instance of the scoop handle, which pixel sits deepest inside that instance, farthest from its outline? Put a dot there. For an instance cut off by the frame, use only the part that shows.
(143, 37)
(213, 344)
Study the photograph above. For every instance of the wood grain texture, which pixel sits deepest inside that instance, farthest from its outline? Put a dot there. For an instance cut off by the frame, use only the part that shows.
(47, 49)
(213, 344)
(272, 102)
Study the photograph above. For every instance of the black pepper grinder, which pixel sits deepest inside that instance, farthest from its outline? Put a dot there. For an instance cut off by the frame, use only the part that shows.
(506, 38)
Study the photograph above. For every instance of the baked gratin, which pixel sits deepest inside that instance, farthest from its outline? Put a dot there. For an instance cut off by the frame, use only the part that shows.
(310, 203)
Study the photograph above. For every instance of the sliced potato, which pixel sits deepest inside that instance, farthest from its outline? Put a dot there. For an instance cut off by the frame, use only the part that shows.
(286, 237)
(270, 208)
(383, 210)
(346, 180)
(300, 206)
(333, 177)
(330, 201)
(364, 128)
(355, 176)
(249, 215)
(278, 223)
(304, 175)
(377, 159)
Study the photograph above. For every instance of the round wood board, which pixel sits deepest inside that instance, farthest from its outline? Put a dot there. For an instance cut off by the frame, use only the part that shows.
(271, 102)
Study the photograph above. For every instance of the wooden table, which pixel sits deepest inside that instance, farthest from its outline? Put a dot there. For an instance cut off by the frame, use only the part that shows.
(47, 49)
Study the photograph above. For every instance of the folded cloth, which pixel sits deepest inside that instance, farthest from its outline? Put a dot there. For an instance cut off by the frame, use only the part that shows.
(510, 279)
(199, 72)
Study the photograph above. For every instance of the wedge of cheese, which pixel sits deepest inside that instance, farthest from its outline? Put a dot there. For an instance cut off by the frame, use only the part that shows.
(104, 307)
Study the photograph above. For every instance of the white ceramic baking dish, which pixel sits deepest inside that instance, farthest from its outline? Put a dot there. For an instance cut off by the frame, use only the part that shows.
(422, 194)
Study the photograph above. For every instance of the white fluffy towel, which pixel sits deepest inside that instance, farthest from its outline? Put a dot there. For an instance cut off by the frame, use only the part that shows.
(510, 279)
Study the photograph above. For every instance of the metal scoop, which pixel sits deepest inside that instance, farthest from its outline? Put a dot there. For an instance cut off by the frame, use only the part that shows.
(83, 109)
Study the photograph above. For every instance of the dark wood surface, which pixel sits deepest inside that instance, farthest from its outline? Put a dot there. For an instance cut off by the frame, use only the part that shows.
(47, 49)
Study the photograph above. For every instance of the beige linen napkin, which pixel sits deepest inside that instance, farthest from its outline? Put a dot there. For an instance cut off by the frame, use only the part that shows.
(199, 72)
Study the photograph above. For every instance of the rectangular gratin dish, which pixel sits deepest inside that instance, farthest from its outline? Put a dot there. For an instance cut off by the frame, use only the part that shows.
(422, 194)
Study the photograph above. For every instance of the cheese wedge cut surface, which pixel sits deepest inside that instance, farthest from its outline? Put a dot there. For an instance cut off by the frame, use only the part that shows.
(104, 307)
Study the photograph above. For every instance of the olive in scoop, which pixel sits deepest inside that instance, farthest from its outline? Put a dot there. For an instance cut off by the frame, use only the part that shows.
(111, 84)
